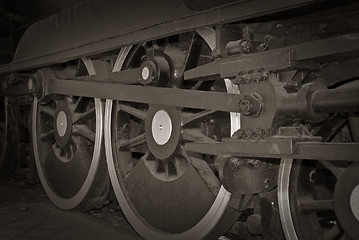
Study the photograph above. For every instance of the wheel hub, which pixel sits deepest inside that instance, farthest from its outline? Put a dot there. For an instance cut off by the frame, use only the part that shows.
(145, 73)
(346, 199)
(163, 128)
(354, 202)
(62, 124)
(149, 73)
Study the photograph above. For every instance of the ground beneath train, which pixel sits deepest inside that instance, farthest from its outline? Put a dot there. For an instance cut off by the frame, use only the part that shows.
(26, 213)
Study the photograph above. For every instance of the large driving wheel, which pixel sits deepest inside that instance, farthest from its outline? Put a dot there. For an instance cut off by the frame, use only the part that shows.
(68, 149)
(164, 191)
(320, 199)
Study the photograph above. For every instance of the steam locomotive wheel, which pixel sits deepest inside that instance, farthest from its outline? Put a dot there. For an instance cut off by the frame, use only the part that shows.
(319, 199)
(68, 148)
(165, 192)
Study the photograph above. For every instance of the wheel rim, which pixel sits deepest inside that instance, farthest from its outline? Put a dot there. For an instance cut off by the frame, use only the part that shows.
(156, 163)
(67, 142)
(311, 199)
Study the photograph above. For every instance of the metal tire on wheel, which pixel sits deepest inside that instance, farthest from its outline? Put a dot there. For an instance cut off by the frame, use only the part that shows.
(158, 185)
(68, 149)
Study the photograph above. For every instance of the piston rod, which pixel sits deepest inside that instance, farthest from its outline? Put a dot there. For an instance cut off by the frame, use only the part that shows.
(336, 100)
(314, 101)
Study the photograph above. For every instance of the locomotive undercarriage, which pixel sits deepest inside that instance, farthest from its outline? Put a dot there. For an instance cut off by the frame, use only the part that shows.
(259, 119)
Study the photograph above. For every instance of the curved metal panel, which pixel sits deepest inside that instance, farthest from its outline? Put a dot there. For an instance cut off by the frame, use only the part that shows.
(98, 26)
(95, 20)
(200, 5)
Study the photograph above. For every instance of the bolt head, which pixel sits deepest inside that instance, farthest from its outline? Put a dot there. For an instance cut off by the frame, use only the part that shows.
(145, 73)
(148, 72)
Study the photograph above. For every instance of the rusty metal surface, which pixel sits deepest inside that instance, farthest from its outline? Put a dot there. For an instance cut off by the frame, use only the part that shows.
(106, 25)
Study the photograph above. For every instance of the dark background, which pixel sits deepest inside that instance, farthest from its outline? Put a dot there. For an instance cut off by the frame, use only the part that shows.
(17, 15)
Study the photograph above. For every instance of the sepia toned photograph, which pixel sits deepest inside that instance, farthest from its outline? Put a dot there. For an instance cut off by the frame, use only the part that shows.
(179, 120)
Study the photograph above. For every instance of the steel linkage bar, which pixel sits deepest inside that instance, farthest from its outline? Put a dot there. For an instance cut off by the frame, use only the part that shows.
(218, 101)
(280, 147)
(309, 101)
(327, 151)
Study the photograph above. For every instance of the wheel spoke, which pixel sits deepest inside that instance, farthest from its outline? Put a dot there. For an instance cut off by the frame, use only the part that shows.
(48, 111)
(196, 117)
(166, 166)
(195, 135)
(146, 155)
(134, 141)
(82, 117)
(193, 53)
(185, 155)
(67, 154)
(176, 164)
(75, 106)
(316, 205)
(47, 136)
(354, 126)
(133, 167)
(197, 85)
(72, 148)
(132, 111)
(84, 131)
